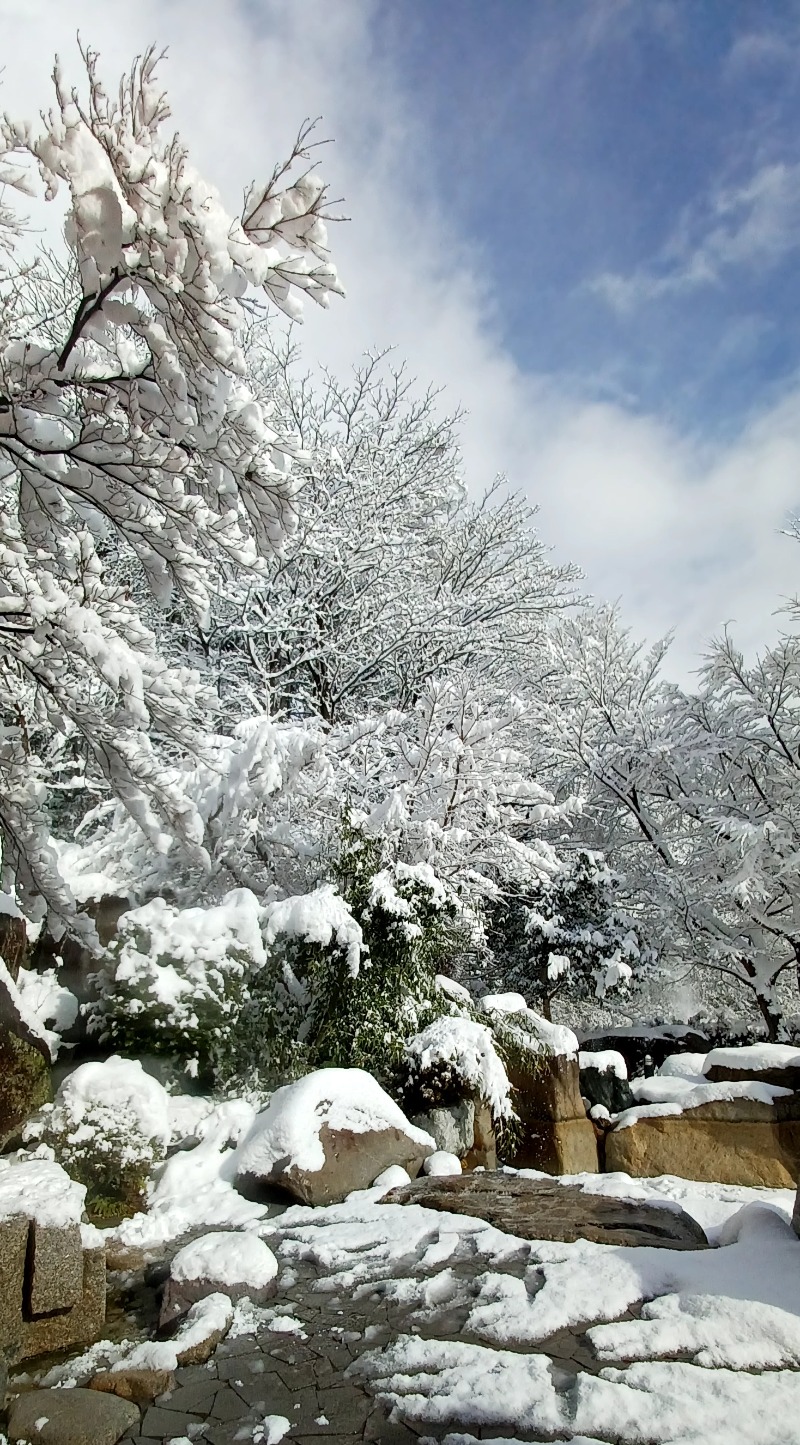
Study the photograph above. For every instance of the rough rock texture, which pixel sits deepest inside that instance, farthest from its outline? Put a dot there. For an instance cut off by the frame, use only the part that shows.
(464, 1129)
(73, 1417)
(739, 1141)
(52, 1290)
(141, 1386)
(24, 1083)
(603, 1086)
(554, 1133)
(80, 1325)
(13, 943)
(352, 1161)
(539, 1209)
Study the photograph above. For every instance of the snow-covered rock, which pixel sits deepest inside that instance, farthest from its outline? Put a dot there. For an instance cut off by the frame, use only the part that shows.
(328, 1134)
(769, 1063)
(228, 1263)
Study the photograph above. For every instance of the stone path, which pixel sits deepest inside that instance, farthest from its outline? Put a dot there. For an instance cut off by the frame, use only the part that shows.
(271, 1373)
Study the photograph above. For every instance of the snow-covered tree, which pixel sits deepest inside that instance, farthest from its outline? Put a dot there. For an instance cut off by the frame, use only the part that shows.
(393, 577)
(126, 419)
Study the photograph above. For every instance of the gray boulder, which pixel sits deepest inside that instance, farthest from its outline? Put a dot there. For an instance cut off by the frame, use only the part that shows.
(70, 1417)
(546, 1209)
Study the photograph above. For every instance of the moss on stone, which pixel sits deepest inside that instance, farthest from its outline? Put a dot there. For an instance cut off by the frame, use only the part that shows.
(25, 1083)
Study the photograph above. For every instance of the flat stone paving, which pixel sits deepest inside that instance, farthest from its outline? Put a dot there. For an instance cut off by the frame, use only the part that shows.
(270, 1373)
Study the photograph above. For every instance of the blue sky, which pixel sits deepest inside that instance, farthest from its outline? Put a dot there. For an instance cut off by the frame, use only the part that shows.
(580, 218)
(593, 151)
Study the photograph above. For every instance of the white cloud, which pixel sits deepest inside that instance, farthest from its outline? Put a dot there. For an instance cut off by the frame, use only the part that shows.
(683, 534)
(755, 225)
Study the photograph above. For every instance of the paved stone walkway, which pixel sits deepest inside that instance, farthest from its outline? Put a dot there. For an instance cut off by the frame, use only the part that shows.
(270, 1373)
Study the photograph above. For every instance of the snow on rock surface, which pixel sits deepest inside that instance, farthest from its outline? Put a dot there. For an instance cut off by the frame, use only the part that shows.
(753, 1058)
(682, 1066)
(606, 1061)
(40, 1189)
(442, 1163)
(663, 1096)
(346, 1107)
(468, 1047)
(394, 1177)
(228, 1258)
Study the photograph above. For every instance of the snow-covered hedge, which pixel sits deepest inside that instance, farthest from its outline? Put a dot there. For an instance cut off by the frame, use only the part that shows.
(176, 978)
(457, 1056)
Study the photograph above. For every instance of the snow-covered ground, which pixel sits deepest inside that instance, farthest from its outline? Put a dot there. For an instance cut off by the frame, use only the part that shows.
(694, 1347)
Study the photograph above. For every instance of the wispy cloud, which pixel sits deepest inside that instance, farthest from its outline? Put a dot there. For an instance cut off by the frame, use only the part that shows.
(755, 226)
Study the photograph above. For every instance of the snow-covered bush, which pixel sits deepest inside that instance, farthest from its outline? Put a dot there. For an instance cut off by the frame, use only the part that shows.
(452, 1059)
(176, 979)
(107, 1128)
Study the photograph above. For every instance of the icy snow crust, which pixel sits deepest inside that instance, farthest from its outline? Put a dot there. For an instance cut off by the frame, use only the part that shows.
(288, 1129)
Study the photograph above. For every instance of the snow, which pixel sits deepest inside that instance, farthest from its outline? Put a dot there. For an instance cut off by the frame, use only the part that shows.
(682, 1066)
(607, 1061)
(754, 1058)
(319, 917)
(663, 1097)
(122, 1087)
(442, 1382)
(271, 1430)
(393, 1178)
(442, 1162)
(287, 1131)
(544, 1035)
(228, 1259)
(195, 1187)
(468, 1048)
(41, 1190)
(47, 998)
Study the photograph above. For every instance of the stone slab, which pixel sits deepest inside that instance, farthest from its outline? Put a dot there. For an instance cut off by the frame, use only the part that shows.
(541, 1209)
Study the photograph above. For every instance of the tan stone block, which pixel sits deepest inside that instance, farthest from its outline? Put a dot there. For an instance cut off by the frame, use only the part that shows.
(713, 1150)
(56, 1268)
(565, 1146)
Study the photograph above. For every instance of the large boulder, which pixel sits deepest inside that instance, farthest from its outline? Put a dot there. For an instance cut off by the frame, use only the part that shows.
(604, 1080)
(330, 1133)
(777, 1064)
(52, 1268)
(70, 1417)
(229, 1263)
(554, 1133)
(545, 1209)
(742, 1140)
